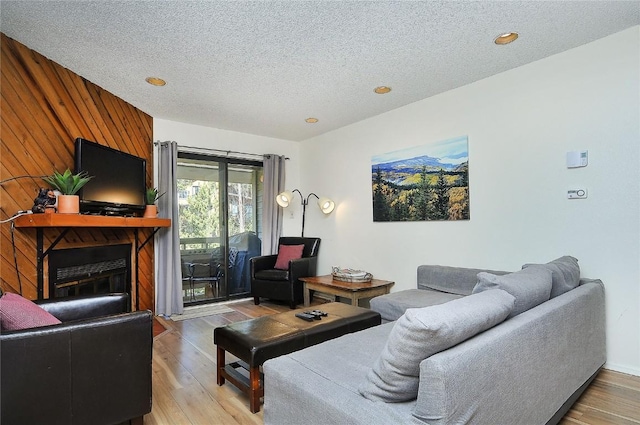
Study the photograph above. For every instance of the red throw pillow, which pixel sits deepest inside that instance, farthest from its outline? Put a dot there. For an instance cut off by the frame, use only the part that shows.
(20, 313)
(287, 253)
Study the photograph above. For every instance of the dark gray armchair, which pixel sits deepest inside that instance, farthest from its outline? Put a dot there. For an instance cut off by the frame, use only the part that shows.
(284, 285)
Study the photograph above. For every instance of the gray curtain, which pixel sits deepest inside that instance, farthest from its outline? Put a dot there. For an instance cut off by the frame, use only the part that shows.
(169, 281)
(274, 172)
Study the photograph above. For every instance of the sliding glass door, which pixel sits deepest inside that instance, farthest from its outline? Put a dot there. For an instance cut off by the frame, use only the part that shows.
(220, 209)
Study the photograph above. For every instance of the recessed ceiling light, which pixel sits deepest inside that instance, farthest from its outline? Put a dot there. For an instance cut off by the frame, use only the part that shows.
(312, 120)
(155, 81)
(506, 38)
(382, 90)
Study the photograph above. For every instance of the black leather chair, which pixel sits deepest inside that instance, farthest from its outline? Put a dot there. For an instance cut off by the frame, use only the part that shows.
(284, 285)
(93, 368)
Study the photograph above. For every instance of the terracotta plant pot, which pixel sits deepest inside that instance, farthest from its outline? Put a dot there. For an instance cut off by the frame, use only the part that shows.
(68, 204)
(151, 211)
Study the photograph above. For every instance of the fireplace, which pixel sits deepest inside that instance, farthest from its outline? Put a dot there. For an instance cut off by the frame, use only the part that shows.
(90, 270)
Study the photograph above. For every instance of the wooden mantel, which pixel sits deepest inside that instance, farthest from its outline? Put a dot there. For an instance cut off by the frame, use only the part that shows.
(84, 220)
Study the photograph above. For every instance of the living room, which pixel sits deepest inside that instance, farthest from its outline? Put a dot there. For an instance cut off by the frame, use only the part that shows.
(520, 124)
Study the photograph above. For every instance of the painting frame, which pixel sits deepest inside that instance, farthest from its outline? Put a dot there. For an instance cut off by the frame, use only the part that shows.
(429, 182)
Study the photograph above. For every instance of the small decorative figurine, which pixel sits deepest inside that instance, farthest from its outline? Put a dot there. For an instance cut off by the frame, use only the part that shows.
(46, 199)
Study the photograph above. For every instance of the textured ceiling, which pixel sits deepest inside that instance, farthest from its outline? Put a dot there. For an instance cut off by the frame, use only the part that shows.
(263, 67)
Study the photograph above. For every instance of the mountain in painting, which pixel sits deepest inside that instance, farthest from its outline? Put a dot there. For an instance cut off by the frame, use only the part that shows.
(462, 168)
(414, 165)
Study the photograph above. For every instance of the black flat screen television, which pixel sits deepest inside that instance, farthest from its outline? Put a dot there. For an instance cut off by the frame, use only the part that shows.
(118, 185)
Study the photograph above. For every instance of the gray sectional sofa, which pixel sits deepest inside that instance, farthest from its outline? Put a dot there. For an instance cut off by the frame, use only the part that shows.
(467, 346)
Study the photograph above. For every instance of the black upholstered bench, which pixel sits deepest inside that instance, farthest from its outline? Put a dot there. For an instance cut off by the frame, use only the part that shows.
(258, 340)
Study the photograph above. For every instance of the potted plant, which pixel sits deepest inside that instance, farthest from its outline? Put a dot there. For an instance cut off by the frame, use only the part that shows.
(68, 184)
(151, 210)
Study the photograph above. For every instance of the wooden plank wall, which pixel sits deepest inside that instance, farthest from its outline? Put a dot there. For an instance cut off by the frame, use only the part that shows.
(44, 107)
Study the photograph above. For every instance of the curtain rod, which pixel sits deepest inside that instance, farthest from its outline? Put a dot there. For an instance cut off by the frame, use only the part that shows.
(226, 152)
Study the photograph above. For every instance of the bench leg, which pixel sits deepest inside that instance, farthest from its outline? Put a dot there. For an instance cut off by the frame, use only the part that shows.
(220, 365)
(254, 391)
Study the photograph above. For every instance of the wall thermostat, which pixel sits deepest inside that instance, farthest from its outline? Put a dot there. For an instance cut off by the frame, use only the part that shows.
(577, 159)
(576, 193)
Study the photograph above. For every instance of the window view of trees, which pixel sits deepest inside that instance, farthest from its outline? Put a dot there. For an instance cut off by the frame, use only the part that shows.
(241, 208)
(199, 204)
(199, 207)
(219, 210)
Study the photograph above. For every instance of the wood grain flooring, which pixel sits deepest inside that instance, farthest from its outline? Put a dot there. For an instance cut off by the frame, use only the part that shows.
(185, 389)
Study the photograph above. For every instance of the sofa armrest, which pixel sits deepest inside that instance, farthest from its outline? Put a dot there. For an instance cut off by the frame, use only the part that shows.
(94, 371)
(86, 307)
(303, 267)
(264, 262)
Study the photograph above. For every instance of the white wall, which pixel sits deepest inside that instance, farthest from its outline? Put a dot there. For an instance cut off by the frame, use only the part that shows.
(520, 125)
(213, 138)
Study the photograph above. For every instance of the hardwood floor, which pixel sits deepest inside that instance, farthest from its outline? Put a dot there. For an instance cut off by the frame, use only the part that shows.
(612, 398)
(185, 389)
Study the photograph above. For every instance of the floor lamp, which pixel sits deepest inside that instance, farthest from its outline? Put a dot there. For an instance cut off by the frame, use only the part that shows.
(326, 205)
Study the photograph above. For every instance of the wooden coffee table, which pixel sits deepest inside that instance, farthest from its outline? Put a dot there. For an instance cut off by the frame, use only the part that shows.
(353, 291)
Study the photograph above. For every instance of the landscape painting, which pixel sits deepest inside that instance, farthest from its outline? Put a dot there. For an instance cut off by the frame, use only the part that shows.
(423, 183)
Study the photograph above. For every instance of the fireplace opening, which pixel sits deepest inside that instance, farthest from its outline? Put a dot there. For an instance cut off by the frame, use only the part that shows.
(90, 270)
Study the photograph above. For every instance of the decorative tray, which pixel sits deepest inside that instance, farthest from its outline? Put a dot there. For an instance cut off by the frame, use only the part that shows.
(350, 275)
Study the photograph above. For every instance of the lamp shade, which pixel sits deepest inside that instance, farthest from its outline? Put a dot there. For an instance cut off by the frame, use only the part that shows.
(284, 198)
(326, 205)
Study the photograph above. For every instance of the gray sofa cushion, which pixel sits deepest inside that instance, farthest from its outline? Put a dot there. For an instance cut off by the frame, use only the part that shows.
(530, 286)
(421, 332)
(319, 385)
(565, 274)
(392, 306)
(454, 280)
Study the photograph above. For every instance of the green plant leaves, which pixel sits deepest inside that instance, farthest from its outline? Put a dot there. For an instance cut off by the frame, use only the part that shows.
(68, 183)
(152, 195)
